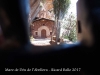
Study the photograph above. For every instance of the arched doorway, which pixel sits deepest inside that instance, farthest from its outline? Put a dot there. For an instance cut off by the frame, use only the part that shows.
(43, 33)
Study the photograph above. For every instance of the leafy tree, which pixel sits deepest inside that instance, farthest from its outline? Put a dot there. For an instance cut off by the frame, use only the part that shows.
(60, 9)
(69, 26)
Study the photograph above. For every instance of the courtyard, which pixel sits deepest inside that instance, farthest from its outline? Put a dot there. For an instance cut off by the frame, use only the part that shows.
(45, 42)
(40, 42)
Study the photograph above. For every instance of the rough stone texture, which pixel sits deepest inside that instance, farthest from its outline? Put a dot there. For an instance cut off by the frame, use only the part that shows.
(48, 5)
(46, 11)
(34, 9)
(43, 12)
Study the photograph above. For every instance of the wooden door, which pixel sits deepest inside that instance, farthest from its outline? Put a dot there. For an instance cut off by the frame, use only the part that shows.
(43, 33)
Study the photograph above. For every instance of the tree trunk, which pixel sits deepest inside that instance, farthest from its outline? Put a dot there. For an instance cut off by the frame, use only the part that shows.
(58, 31)
(53, 27)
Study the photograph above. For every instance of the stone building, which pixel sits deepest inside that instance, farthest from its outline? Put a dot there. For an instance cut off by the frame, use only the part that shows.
(43, 22)
(42, 28)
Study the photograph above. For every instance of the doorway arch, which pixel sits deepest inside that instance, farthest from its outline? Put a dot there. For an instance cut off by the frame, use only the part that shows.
(43, 33)
(45, 28)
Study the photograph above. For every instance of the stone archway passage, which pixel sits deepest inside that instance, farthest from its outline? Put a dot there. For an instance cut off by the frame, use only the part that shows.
(43, 33)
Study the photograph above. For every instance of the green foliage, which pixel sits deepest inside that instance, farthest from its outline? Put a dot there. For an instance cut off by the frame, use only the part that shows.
(72, 36)
(61, 8)
(66, 37)
(69, 27)
(31, 38)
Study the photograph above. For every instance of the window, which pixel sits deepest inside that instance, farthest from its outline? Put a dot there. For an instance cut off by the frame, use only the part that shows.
(36, 33)
(79, 27)
(50, 33)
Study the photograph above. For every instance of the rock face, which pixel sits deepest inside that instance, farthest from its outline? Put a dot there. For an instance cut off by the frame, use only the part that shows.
(47, 10)
(48, 5)
(34, 9)
(41, 11)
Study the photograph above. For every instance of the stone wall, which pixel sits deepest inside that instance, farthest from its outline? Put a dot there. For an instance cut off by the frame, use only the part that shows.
(84, 30)
(80, 18)
(40, 24)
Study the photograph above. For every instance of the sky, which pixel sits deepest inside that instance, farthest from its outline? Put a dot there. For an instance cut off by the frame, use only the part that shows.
(73, 6)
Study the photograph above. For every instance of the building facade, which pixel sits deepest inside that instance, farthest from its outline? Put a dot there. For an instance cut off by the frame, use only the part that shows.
(43, 24)
(42, 28)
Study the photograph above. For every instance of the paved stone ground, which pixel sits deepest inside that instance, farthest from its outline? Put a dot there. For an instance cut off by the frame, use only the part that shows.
(41, 42)
(44, 42)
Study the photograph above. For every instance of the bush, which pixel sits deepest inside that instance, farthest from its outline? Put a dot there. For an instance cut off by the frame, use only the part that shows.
(31, 38)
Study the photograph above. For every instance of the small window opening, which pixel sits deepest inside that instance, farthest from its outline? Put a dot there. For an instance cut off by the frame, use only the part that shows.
(50, 33)
(36, 33)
